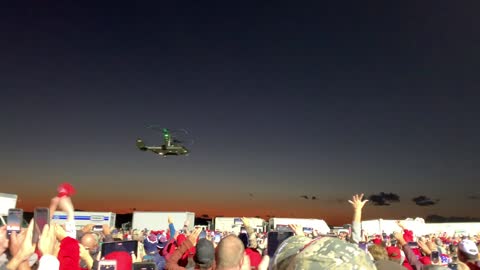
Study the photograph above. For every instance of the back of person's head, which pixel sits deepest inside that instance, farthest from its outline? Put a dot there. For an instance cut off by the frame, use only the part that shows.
(300, 252)
(90, 242)
(150, 244)
(394, 254)
(229, 253)
(467, 251)
(204, 254)
(378, 252)
(123, 258)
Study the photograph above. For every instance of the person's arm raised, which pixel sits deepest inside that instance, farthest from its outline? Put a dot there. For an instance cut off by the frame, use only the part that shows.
(297, 229)
(24, 248)
(47, 246)
(252, 238)
(107, 233)
(410, 256)
(3, 239)
(85, 255)
(172, 261)
(401, 225)
(171, 227)
(357, 203)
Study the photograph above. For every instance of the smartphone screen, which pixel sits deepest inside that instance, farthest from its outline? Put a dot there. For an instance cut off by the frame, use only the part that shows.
(307, 230)
(97, 228)
(144, 266)
(413, 244)
(452, 266)
(274, 240)
(435, 257)
(41, 217)
(107, 265)
(14, 220)
(129, 246)
(217, 238)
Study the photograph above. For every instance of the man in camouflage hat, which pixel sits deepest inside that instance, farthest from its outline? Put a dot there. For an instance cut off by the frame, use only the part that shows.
(300, 252)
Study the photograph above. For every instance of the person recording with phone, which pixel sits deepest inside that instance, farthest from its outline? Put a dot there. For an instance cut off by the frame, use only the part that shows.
(90, 241)
(250, 244)
(204, 257)
(22, 247)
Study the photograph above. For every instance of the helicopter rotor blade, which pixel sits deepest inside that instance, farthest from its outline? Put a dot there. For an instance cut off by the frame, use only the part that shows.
(177, 132)
(155, 128)
(171, 131)
(180, 136)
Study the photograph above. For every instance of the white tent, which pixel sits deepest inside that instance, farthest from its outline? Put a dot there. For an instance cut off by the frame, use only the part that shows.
(379, 226)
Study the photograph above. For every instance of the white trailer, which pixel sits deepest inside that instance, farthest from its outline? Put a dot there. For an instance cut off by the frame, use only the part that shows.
(458, 228)
(83, 218)
(234, 224)
(308, 224)
(7, 201)
(152, 220)
(379, 226)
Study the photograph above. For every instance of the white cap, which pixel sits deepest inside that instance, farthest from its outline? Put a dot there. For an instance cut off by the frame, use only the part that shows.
(468, 247)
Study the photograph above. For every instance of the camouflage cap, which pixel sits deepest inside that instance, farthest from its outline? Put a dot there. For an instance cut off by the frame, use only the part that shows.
(301, 252)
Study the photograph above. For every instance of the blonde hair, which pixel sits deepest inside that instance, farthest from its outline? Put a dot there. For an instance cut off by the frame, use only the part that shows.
(378, 252)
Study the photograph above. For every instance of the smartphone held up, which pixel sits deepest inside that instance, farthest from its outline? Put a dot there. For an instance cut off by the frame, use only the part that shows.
(14, 220)
(435, 257)
(107, 265)
(97, 228)
(274, 239)
(41, 217)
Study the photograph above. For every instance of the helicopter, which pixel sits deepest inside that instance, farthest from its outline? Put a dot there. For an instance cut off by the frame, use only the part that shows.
(170, 146)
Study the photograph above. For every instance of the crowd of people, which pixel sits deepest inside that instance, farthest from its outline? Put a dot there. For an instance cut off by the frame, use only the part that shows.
(63, 247)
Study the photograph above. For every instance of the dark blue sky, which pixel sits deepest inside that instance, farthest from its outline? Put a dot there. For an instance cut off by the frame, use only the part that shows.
(282, 100)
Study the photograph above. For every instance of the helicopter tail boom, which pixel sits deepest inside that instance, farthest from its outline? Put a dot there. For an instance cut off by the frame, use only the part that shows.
(141, 145)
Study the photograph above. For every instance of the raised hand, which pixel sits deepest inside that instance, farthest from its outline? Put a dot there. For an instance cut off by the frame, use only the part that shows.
(399, 237)
(47, 240)
(53, 205)
(83, 251)
(16, 240)
(357, 201)
(297, 229)
(87, 228)
(424, 247)
(400, 224)
(60, 232)
(3, 239)
(246, 222)
(106, 229)
(194, 235)
(27, 248)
